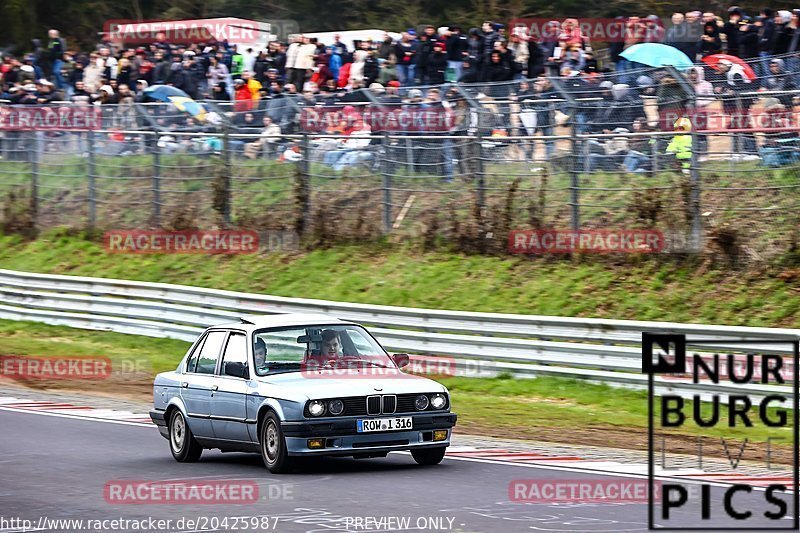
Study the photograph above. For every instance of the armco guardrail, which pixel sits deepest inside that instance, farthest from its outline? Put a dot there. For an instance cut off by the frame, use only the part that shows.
(608, 351)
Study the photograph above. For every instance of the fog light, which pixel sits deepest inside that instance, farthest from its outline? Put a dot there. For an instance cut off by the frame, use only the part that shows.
(319, 443)
(440, 434)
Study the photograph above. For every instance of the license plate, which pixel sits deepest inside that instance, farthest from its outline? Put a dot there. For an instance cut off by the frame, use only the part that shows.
(383, 424)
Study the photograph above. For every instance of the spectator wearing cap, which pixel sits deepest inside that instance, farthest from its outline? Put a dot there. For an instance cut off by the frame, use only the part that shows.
(710, 42)
(731, 31)
(436, 68)
(779, 80)
(784, 31)
(243, 98)
(748, 39)
(406, 51)
(45, 93)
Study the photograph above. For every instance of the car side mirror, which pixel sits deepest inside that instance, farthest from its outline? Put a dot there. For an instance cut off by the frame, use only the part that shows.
(401, 359)
(239, 370)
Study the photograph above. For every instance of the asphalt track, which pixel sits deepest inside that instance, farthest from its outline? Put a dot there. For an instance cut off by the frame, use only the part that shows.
(58, 468)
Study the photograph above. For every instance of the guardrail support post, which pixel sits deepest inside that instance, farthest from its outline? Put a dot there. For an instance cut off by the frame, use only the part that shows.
(91, 169)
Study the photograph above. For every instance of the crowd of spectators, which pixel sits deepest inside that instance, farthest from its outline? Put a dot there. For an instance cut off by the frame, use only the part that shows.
(265, 88)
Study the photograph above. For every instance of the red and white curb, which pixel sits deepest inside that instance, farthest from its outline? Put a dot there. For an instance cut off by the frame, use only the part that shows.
(68, 410)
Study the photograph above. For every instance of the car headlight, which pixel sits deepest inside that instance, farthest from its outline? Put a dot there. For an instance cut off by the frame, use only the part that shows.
(335, 407)
(421, 402)
(438, 401)
(316, 407)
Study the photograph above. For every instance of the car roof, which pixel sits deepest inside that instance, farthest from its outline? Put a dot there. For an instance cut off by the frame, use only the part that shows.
(254, 322)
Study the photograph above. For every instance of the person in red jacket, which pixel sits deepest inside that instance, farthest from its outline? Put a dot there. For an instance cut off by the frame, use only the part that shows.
(243, 98)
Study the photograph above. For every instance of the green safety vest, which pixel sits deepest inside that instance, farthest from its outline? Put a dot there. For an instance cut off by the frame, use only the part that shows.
(237, 64)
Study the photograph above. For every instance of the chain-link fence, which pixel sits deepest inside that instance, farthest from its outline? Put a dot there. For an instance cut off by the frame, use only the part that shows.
(705, 157)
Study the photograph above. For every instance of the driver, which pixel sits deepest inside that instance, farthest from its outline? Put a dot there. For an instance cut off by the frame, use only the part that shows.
(260, 354)
(331, 344)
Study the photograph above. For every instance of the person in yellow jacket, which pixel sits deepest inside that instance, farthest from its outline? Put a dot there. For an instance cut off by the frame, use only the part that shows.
(253, 85)
(681, 144)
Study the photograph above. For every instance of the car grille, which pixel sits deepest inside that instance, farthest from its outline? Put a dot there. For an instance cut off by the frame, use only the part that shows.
(389, 404)
(354, 406)
(371, 405)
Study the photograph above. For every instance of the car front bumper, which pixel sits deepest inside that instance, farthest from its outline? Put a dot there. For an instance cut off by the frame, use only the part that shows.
(341, 437)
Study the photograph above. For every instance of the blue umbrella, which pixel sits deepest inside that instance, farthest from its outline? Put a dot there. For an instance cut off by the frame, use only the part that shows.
(657, 55)
(178, 98)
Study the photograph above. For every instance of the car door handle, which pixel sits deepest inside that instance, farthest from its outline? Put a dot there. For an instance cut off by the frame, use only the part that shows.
(185, 384)
(215, 387)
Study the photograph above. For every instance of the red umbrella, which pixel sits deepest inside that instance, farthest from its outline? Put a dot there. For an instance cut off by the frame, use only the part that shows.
(714, 59)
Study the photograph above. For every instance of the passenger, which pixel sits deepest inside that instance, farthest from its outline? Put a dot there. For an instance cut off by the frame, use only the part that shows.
(260, 355)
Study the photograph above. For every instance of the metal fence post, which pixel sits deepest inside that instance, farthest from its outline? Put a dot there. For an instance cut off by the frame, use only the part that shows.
(575, 220)
(226, 173)
(156, 180)
(694, 182)
(480, 178)
(90, 171)
(694, 196)
(34, 204)
(387, 186)
(305, 176)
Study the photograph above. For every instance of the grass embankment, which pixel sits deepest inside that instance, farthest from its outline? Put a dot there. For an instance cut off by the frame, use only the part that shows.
(544, 408)
(382, 274)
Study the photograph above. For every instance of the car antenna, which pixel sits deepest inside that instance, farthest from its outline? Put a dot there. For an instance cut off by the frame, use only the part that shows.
(245, 321)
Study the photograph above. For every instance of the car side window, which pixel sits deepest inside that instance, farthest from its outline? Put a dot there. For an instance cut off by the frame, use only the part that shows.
(209, 353)
(235, 349)
(191, 364)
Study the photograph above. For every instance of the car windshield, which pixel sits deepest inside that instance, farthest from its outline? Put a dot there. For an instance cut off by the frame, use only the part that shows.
(313, 347)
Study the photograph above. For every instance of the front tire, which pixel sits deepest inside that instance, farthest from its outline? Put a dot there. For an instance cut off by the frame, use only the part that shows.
(429, 456)
(273, 446)
(182, 444)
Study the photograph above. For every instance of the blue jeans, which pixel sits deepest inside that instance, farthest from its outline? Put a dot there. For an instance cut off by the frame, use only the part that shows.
(405, 73)
(634, 161)
(457, 68)
(57, 65)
